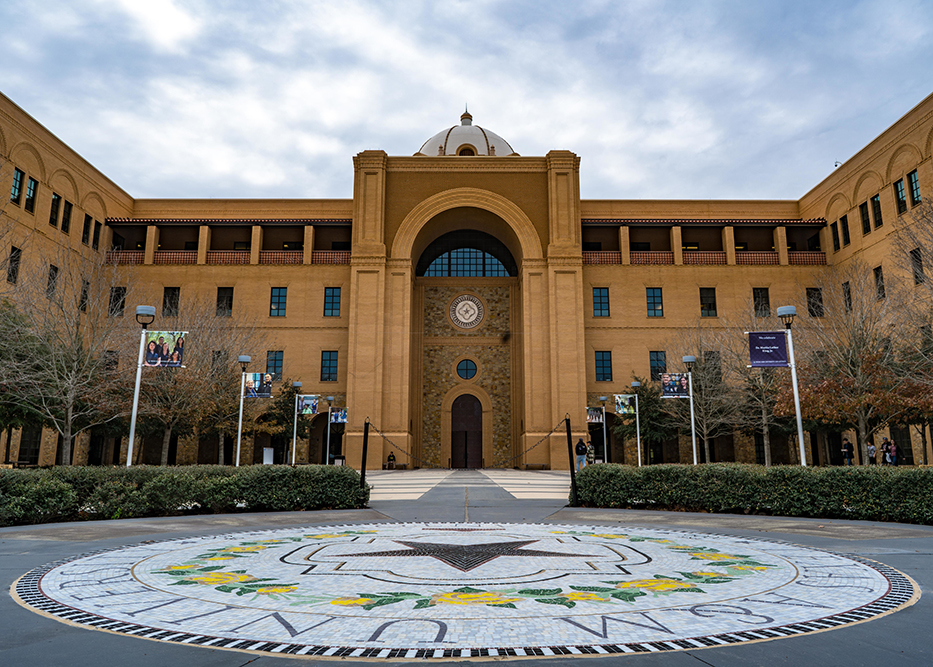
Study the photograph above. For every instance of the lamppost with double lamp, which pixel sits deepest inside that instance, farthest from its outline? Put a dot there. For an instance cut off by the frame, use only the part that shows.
(243, 360)
(689, 360)
(603, 400)
(635, 386)
(145, 315)
(787, 315)
(297, 387)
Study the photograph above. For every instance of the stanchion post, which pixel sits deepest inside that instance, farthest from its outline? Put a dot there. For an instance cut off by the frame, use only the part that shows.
(365, 450)
(297, 386)
(635, 386)
(573, 469)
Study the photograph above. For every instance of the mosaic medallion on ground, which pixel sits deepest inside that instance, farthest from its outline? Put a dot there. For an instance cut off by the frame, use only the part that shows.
(456, 590)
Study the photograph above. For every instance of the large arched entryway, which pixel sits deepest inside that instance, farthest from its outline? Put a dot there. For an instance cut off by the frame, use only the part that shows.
(466, 432)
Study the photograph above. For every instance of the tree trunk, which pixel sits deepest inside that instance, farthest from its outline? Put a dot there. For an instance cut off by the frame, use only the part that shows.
(862, 436)
(166, 439)
(923, 442)
(220, 449)
(66, 438)
(766, 434)
(9, 442)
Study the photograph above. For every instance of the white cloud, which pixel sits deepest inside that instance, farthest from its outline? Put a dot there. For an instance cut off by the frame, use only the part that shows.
(165, 25)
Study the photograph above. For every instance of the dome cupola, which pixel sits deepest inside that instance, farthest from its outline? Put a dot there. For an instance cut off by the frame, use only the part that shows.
(466, 139)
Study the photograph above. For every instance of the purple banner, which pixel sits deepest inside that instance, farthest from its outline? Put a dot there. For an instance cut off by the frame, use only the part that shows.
(767, 349)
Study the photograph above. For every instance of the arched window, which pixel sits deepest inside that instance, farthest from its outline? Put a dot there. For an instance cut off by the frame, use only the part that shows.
(466, 253)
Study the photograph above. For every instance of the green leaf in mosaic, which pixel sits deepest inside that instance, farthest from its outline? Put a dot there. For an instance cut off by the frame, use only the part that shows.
(423, 603)
(537, 592)
(467, 589)
(503, 604)
(564, 602)
(592, 589)
(626, 596)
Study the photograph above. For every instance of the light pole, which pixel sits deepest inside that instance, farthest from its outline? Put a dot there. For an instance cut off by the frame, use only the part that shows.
(297, 386)
(330, 400)
(635, 386)
(243, 360)
(787, 315)
(145, 315)
(689, 360)
(603, 399)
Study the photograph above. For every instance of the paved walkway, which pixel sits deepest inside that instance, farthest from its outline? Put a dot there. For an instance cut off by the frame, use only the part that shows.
(497, 545)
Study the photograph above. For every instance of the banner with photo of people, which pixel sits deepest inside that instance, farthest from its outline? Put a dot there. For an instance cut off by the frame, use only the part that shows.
(625, 404)
(165, 349)
(258, 385)
(594, 415)
(675, 385)
(307, 404)
(338, 416)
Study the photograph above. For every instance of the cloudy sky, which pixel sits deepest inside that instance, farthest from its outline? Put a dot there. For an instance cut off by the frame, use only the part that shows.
(661, 99)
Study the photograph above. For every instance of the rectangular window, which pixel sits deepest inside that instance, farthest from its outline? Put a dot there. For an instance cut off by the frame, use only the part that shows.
(331, 302)
(52, 283)
(277, 303)
(85, 295)
(16, 192)
(640, 246)
(329, 366)
(844, 225)
(707, 302)
(95, 241)
(876, 210)
(12, 267)
(117, 301)
(604, 366)
(879, 282)
(815, 301)
(847, 296)
(916, 264)
(66, 216)
(655, 301)
(866, 220)
(834, 229)
(170, 299)
(241, 245)
(658, 364)
(32, 188)
(762, 301)
(274, 360)
(900, 196)
(224, 302)
(55, 209)
(600, 302)
(86, 233)
(914, 183)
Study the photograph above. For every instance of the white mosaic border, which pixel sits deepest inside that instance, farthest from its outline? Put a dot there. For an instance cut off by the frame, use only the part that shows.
(900, 592)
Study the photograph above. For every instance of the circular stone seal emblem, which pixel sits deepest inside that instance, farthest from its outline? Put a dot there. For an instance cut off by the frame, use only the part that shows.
(467, 311)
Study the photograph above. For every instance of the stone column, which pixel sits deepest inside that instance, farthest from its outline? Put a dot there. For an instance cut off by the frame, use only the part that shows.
(677, 245)
(780, 244)
(624, 244)
(255, 245)
(152, 243)
(728, 244)
(204, 243)
(309, 244)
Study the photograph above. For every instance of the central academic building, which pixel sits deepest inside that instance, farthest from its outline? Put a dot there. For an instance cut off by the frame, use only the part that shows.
(464, 298)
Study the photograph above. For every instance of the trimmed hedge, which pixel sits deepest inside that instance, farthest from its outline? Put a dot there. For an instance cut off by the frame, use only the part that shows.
(74, 493)
(871, 493)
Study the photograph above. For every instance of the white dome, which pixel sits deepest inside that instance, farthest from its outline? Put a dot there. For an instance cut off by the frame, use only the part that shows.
(466, 139)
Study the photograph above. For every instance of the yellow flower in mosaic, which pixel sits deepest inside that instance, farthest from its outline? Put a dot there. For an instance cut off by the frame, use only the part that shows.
(220, 558)
(244, 549)
(611, 536)
(352, 602)
(276, 590)
(757, 568)
(471, 598)
(658, 585)
(181, 567)
(584, 597)
(220, 578)
(704, 555)
(707, 574)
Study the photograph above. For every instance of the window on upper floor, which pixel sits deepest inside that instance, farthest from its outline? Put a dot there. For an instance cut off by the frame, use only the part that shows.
(762, 301)
(707, 302)
(604, 366)
(52, 284)
(655, 301)
(86, 232)
(274, 361)
(331, 302)
(32, 190)
(844, 226)
(815, 301)
(55, 209)
(66, 215)
(834, 230)
(278, 301)
(876, 211)
(12, 266)
(866, 220)
(95, 241)
(171, 297)
(916, 265)
(600, 302)
(914, 187)
(900, 196)
(879, 282)
(85, 295)
(329, 366)
(117, 302)
(847, 296)
(657, 362)
(224, 302)
(16, 192)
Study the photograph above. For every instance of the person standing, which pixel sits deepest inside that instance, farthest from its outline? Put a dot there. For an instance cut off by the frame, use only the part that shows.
(894, 452)
(580, 451)
(872, 453)
(848, 451)
(885, 452)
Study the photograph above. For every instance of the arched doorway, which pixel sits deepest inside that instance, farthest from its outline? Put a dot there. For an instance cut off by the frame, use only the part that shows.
(466, 432)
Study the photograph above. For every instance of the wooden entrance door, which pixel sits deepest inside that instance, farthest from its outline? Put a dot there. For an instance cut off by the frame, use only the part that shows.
(466, 432)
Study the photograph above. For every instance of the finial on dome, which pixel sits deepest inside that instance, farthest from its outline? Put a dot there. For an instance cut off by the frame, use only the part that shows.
(466, 118)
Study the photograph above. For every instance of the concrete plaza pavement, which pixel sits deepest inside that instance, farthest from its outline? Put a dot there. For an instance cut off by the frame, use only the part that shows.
(902, 638)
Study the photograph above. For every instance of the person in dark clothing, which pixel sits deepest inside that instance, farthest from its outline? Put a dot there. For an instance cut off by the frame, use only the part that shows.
(580, 451)
(848, 451)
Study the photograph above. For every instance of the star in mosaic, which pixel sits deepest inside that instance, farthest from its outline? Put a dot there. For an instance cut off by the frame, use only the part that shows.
(466, 557)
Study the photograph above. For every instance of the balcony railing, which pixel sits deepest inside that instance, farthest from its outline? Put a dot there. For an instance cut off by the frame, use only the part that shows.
(602, 257)
(330, 257)
(228, 256)
(756, 257)
(652, 257)
(704, 257)
(175, 257)
(281, 256)
(806, 257)
(126, 257)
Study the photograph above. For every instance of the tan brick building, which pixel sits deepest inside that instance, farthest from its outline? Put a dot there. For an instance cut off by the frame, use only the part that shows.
(464, 299)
